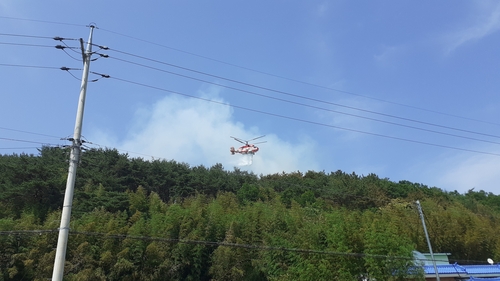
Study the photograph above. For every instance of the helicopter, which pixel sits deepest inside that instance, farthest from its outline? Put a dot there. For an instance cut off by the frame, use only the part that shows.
(247, 148)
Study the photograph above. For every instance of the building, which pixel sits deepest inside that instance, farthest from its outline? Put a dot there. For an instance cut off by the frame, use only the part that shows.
(455, 272)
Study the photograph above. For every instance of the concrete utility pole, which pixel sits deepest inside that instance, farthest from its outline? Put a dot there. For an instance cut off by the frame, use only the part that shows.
(428, 240)
(62, 241)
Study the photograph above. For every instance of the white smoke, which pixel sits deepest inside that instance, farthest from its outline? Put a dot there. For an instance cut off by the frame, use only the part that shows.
(198, 132)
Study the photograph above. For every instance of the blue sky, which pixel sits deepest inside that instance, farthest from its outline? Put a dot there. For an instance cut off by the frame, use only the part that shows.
(407, 90)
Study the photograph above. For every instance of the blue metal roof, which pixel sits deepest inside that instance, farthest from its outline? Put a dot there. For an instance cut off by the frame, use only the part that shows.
(484, 279)
(482, 269)
(445, 269)
(464, 269)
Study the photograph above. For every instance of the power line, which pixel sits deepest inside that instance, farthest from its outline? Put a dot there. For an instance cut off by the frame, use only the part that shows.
(67, 69)
(24, 147)
(316, 107)
(28, 141)
(26, 132)
(30, 45)
(38, 66)
(285, 93)
(72, 49)
(305, 121)
(218, 244)
(264, 88)
(36, 36)
(301, 82)
(205, 243)
(281, 116)
(42, 21)
(305, 104)
(54, 67)
(27, 36)
(253, 70)
(57, 38)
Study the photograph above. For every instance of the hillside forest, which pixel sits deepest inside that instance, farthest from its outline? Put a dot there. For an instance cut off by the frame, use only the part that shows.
(134, 219)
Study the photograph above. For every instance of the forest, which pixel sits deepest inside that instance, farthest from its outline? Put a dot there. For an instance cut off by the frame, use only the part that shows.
(134, 219)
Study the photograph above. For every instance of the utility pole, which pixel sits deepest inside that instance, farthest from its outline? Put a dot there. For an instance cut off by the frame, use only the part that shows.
(428, 241)
(62, 241)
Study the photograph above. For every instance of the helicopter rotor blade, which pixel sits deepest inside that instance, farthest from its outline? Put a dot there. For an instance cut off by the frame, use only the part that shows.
(240, 140)
(259, 142)
(257, 138)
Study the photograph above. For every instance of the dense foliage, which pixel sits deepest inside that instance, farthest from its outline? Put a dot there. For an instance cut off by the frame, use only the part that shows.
(161, 220)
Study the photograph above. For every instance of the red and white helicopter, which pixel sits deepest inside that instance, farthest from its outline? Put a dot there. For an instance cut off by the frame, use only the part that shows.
(247, 148)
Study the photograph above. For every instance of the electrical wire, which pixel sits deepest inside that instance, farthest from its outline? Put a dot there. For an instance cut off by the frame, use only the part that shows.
(61, 39)
(246, 68)
(322, 109)
(283, 100)
(73, 76)
(280, 116)
(27, 36)
(305, 121)
(28, 141)
(42, 21)
(204, 243)
(36, 36)
(67, 69)
(28, 45)
(316, 107)
(25, 147)
(214, 244)
(302, 82)
(73, 49)
(283, 93)
(35, 66)
(27, 132)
